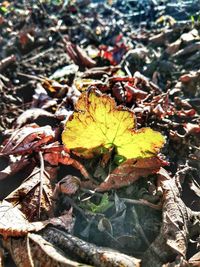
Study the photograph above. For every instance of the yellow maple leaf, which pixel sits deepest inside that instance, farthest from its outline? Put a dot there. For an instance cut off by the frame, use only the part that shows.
(99, 124)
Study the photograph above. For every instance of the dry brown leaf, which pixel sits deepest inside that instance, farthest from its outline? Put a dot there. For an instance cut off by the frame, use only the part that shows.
(20, 251)
(27, 197)
(2, 253)
(61, 156)
(175, 214)
(194, 261)
(79, 56)
(14, 223)
(191, 48)
(28, 138)
(14, 167)
(174, 235)
(30, 115)
(173, 47)
(130, 171)
(34, 250)
(68, 185)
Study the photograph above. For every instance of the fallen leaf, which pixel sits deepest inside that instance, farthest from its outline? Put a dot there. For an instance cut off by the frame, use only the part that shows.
(83, 84)
(175, 222)
(97, 125)
(79, 56)
(61, 156)
(194, 261)
(31, 115)
(27, 196)
(192, 128)
(68, 185)
(130, 171)
(14, 223)
(134, 94)
(34, 249)
(28, 138)
(14, 167)
(195, 187)
(64, 72)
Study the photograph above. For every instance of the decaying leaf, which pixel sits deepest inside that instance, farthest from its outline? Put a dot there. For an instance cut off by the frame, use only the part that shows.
(130, 171)
(194, 261)
(174, 235)
(27, 197)
(79, 56)
(31, 115)
(2, 252)
(68, 185)
(55, 157)
(83, 84)
(34, 250)
(97, 125)
(28, 138)
(14, 167)
(14, 223)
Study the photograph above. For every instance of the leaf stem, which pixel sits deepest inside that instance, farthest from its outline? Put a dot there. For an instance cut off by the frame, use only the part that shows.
(41, 181)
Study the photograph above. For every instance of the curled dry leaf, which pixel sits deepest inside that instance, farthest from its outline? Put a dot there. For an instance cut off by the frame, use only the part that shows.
(174, 234)
(28, 138)
(31, 115)
(34, 250)
(175, 219)
(134, 94)
(19, 250)
(2, 253)
(130, 171)
(58, 155)
(98, 125)
(79, 56)
(194, 261)
(68, 185)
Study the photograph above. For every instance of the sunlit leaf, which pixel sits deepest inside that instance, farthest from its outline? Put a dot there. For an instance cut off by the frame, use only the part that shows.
(83, 84)
(130, 171)
(98, 123)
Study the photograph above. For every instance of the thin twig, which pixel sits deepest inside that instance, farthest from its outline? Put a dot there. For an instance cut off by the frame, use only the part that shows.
(142, 202)
(30, 76)
(37, 56)
(41, 181)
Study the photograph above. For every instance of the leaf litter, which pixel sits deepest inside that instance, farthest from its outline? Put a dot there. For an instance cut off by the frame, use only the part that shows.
(99, 139)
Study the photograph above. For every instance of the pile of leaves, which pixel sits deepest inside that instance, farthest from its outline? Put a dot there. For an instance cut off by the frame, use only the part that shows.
(99, 136)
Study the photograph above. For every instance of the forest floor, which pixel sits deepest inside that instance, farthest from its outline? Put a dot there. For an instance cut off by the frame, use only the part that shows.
(100, 133)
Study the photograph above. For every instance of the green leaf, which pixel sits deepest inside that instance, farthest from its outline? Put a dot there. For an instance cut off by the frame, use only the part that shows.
(104, 205)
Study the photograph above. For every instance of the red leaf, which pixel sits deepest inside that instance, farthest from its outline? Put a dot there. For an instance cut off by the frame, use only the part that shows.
(130, 171)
